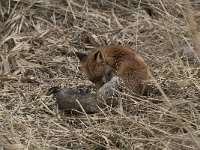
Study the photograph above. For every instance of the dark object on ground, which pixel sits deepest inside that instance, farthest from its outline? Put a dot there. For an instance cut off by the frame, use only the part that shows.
(71, 100)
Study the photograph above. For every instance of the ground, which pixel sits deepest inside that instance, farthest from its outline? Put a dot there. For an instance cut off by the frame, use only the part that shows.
(36, 38)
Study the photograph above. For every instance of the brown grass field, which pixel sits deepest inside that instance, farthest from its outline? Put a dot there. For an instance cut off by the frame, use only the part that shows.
(37, 35)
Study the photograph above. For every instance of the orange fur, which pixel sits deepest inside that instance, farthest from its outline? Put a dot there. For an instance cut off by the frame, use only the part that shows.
(121, 61)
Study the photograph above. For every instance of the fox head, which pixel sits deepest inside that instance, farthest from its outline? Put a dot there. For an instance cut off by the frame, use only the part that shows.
(94, 67)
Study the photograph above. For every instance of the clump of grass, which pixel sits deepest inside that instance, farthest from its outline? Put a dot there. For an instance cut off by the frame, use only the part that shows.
(193, 27)
(34, 42)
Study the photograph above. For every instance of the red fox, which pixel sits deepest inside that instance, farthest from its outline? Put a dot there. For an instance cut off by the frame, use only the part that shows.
(118, 61)
(108, 68)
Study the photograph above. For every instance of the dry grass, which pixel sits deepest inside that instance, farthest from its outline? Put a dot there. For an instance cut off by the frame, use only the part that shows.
(35, 38)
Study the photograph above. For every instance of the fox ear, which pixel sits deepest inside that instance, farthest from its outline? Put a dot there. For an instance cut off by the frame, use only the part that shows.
(98, 57)
(80, 55)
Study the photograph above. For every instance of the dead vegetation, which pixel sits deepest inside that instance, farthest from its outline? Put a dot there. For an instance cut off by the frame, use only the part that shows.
(35, 37)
